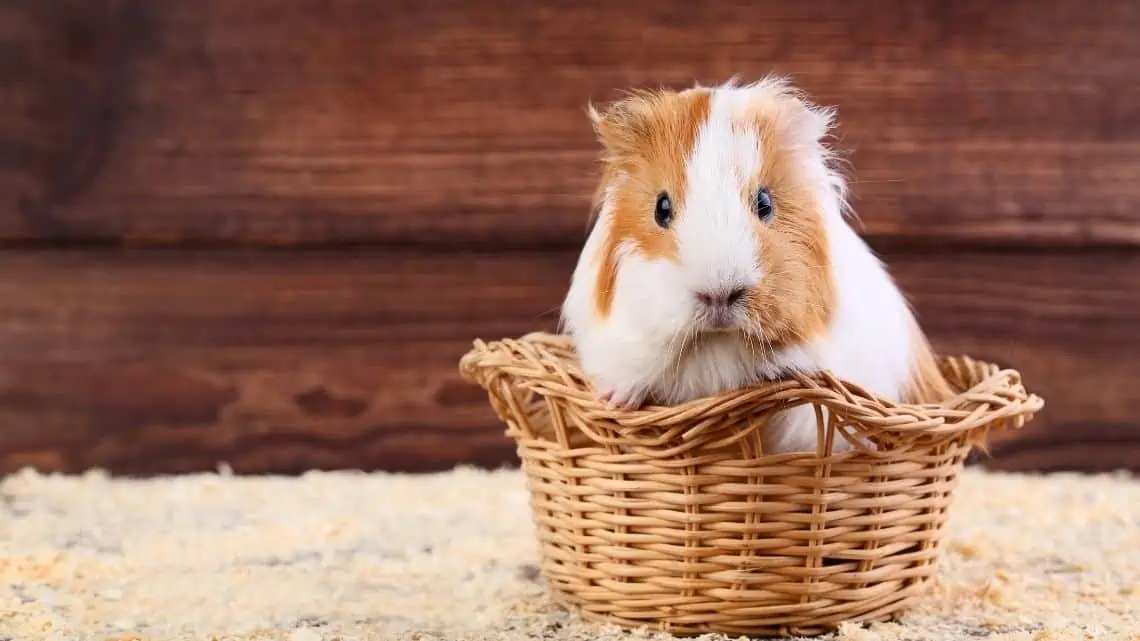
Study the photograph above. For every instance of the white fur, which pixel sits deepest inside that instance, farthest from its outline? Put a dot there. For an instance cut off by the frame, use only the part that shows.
(636, 351)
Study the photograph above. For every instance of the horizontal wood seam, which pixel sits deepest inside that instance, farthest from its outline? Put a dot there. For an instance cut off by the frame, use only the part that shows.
(895, 244)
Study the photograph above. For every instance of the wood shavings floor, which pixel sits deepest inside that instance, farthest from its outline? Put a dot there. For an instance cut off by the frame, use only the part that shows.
(449, 557)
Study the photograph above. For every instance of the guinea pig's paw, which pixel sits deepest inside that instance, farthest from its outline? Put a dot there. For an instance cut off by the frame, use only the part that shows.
(625, 400)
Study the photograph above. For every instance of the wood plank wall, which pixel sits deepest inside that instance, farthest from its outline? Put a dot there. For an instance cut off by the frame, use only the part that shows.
(264, 231)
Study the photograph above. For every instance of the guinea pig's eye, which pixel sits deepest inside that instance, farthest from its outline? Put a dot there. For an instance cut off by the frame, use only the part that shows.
(664, 212)
(763, 203)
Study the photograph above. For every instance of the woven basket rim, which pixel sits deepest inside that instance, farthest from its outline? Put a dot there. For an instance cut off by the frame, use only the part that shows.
(543, 363)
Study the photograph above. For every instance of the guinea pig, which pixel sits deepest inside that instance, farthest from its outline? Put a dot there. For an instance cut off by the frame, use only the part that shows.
(720, 255)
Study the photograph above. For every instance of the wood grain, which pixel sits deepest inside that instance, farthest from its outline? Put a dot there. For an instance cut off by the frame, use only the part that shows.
(171, 361)
(453, 122)
(165, 361)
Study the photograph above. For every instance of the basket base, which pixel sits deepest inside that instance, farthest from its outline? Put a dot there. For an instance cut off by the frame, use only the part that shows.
(887, 608)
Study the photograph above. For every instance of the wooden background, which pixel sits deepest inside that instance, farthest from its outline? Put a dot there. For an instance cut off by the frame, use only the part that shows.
(265, 231)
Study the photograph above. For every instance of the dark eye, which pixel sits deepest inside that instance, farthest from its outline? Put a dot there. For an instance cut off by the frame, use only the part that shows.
(664, 212)
(763, 204)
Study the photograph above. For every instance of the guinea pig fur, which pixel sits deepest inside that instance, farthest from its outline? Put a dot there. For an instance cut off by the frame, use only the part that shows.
(720, 256)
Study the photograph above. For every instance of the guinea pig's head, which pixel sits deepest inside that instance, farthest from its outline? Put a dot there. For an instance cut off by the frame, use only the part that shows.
(715, 203)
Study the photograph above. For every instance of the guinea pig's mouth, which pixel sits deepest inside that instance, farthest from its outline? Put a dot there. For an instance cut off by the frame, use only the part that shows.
(718, 322)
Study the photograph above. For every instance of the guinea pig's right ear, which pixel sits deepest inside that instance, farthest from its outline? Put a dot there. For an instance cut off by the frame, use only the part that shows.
(605, 128)
(622, 125)
(597, 118)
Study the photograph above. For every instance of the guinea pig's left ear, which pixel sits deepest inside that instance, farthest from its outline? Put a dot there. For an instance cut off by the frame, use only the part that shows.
(816, 122)
(807, 123)
(802, 121)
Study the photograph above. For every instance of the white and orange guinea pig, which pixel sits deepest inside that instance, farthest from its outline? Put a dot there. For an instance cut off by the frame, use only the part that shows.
(720, 256)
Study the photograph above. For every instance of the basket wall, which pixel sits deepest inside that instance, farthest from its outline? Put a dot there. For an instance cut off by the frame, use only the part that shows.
(674, 517)
(720, 539)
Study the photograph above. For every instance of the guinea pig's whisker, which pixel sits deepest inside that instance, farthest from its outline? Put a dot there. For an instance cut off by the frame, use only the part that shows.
(685, 338)
(674, 353)
(755, 343)
(549, 311)
(679, 354)
(768, 349)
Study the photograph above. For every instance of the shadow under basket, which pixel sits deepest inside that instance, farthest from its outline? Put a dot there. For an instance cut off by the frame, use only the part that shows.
(673, 518)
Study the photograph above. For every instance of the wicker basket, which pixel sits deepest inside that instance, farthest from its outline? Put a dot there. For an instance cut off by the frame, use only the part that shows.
(671, 517)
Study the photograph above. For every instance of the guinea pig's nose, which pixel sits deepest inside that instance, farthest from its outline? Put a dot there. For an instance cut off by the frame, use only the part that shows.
(721, 298)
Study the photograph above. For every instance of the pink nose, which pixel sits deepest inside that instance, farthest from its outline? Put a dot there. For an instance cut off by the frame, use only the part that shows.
(721, 298)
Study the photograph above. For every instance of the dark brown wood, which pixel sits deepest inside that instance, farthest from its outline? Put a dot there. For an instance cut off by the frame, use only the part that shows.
(171, 361)
(166, 361)
(454, 121)
(1088, 447)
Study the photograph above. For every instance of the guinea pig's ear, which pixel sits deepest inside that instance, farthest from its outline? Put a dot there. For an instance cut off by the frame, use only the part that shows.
(807, 122)
(801, 120)
(811, 123)
(597, 118)
(621, 126)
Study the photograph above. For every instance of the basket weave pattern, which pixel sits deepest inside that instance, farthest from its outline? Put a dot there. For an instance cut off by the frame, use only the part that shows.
(672, 517)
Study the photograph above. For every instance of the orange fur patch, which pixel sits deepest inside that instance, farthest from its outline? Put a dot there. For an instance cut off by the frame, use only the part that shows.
(795, 299)
(647, 139)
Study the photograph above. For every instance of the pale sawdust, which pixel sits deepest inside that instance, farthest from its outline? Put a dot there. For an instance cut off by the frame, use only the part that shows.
(450, 557)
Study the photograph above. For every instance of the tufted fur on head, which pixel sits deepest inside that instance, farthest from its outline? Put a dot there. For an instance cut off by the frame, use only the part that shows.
(795, 287)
